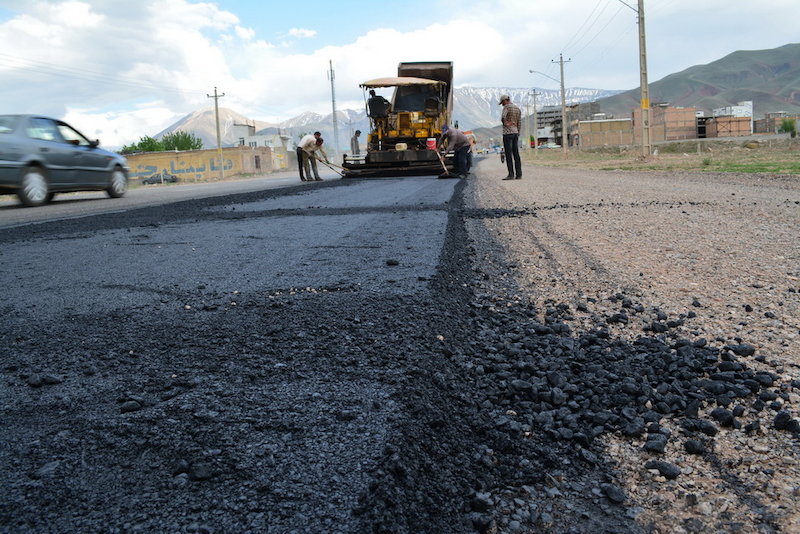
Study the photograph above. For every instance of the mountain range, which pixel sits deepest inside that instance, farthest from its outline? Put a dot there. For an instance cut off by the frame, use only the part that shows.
(770, 78)
(474, 107)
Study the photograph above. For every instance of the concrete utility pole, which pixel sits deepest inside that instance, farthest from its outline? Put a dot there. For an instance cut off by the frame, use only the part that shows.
(528, 123)
(535, 127)
(564, 125)
(216, 98)
(644, 98)
(332, 77)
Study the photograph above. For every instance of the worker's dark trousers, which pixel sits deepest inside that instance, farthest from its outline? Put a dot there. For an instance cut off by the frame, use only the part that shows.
(460, 157)
(299, 152)
(511, 146)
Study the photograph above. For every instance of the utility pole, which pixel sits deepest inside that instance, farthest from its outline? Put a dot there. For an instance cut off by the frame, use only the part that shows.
(643, 87)
(645, 96)
(332, 77)
(564, 125)
(216, 98)
(535, 127)
(528, 123)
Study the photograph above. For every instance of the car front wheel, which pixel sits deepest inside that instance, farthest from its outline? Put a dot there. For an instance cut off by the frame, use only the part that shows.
(118, 184)
(33, 190)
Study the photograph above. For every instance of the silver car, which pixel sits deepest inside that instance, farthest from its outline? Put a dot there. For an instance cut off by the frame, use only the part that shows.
(40, 157)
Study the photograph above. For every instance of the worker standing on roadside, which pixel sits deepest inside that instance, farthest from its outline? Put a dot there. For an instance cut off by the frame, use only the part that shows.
(306, 152)
(455, 140)
(511, 117)
(355, 149)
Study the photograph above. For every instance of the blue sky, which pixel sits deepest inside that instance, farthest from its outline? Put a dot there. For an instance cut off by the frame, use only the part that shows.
(120, 70)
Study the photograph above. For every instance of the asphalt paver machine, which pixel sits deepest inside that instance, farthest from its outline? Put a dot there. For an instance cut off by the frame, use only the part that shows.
(405, 130)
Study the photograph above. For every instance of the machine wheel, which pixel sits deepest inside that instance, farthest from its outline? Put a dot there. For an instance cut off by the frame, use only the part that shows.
(118, 183)
(33, 189)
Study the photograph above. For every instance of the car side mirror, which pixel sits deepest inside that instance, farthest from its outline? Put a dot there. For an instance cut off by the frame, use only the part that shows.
(95, 143)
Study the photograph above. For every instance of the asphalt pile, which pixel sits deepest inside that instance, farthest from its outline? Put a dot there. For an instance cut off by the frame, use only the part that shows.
(575, 387)
(552, 392)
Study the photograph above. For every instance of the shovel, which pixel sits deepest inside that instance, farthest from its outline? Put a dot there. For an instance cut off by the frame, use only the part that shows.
(446, 174)
(334, 168)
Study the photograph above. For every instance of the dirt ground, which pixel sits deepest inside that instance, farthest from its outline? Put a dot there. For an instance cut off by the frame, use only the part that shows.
(721, 252)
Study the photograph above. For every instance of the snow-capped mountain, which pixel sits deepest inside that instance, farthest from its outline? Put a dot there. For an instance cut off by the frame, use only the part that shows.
(473, 107)
(476, 107)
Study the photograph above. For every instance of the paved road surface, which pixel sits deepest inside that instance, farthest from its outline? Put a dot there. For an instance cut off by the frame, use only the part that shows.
(225, 364)
(70, 205)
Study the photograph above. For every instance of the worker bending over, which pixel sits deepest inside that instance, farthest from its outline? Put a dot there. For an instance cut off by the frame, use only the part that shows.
(307, 150)
(456, 141)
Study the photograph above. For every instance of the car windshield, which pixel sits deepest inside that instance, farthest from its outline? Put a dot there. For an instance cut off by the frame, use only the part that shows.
(8, 123)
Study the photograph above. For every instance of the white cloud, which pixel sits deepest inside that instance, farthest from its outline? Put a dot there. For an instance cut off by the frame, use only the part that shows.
(115, 129)
(73, 15)
(301, 33)
(245, 33)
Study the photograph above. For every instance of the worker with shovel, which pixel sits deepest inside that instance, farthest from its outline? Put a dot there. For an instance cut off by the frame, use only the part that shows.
(307, 148)
(456, 141)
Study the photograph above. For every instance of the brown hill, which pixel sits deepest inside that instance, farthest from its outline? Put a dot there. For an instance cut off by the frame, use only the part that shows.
(202, 123)
(770, 78)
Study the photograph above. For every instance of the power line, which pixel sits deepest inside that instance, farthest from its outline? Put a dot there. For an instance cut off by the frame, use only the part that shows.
(599, 31)
(597, 18)
(77, 73)
(566, 46)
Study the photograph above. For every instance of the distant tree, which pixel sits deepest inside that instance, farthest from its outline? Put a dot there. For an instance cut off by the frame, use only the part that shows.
(145, 144)
(177, 140)
(788, 126)
(180, 140)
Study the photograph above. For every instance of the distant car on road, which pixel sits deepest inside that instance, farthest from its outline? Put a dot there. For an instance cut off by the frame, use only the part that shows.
(40, 157)
(160, 178)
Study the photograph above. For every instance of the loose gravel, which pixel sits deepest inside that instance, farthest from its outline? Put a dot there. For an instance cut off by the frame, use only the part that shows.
(671, 302)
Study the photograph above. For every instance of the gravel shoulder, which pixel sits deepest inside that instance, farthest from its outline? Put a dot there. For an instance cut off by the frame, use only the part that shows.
(708, 257)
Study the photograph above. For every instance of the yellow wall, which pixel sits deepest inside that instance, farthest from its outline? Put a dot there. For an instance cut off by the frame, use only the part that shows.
(201, 165)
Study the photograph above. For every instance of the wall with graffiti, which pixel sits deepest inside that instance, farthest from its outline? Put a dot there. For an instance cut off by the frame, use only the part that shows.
(202, 165)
